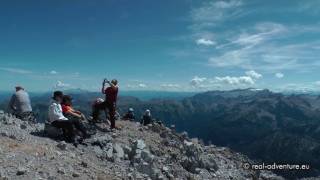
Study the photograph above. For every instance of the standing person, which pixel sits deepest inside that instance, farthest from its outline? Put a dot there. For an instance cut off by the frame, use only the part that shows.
(111, 94)
(20, 105)
(58, 120)
(146, 118)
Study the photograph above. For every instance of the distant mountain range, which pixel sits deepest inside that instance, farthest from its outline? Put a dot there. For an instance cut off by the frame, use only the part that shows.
(267, 126)
(143, 95)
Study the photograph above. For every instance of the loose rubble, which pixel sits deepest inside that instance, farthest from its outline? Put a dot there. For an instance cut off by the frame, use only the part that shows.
(134, 152)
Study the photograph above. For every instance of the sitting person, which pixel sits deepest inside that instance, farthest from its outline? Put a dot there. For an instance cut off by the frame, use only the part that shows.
(129, 115)
(97, 102)
(68, 110)
(58, 120)
(20, 105)
(146, 118)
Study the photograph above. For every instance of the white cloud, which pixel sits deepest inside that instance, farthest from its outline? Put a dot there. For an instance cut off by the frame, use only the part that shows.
(206, 42)
(170, 86)
(61, 85)
(142, 85)
(245, 49)
(53, 72)
(235, 81)
(226, 82)
(16, 70)
(279, 75)
(305, 87)
(197, 81)
(271, 48)
(203, 18)
(253, 74)
(257, 35)
(262, 48)
(136, 85)
(210, 13)
(227, 4)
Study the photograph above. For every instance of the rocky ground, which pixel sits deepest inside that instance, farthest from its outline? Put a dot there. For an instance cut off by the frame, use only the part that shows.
(134, 152)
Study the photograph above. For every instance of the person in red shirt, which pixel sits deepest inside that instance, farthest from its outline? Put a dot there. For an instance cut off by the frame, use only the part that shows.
(68, 110)
(73, 115)
(110, 102)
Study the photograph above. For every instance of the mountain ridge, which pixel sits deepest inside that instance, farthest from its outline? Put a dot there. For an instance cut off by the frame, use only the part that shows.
(134, 152)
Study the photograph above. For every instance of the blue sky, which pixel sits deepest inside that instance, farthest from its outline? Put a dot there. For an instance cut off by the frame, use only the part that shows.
(182, 45)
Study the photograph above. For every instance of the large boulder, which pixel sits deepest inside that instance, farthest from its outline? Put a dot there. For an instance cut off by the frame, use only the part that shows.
(8, 119)
(109, 154)
(149, 169)
(195, 158)
(102, 141)
(156, 127)
(62, 145)
(190, 164)
(139, 144)
(147, 156)
(118, 150)
(208, 162)
(52, 131)
(192, 149)
(99, 152)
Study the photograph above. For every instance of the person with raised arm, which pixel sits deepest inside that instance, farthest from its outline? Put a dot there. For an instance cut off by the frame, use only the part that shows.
(110, 103)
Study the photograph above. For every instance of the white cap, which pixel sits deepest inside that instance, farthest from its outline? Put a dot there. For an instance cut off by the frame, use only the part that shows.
(148, 113)
(99, 100)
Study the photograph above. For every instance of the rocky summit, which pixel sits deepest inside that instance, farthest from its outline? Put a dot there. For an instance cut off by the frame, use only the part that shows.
(133, 152)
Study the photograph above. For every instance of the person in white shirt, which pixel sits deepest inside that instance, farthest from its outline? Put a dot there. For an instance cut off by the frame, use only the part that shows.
(58, 120)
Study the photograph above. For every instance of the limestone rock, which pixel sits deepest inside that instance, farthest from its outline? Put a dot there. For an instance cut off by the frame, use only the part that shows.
(117, 149)
(139, 144)
(102, 140)
(62, 145)
(21, 171)
(156, 154)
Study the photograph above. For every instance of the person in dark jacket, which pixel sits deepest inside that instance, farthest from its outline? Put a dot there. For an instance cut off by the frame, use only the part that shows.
(129, 115)
(146, 118)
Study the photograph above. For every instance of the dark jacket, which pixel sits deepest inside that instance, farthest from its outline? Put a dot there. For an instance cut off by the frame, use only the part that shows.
(145, 120)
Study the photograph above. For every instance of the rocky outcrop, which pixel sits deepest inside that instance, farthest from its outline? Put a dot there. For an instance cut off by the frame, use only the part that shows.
(134, 152)
(264, 125)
